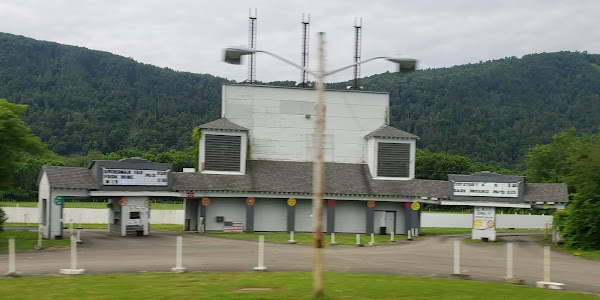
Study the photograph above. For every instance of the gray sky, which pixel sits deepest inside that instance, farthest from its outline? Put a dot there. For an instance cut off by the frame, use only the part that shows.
(190, 35)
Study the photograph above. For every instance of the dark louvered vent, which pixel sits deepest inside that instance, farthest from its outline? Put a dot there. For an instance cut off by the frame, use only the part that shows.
(222, 152)
(393, 159)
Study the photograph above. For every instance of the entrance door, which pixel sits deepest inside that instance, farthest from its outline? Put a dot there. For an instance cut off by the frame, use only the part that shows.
(384, 222)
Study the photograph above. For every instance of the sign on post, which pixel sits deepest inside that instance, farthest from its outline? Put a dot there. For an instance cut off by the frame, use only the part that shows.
(59, 200)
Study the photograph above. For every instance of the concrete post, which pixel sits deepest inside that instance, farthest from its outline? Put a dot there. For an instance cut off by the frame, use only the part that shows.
(12, 269)
(261, 254)
(547, 263)
(409, 236)
(372, 242)
(456, 257)
(292, 241)
(392, 236)
(509, 260)
(333, 239)
(40, 235)
(358, 244)
(179, 257)
(79, 236)
(73, 270)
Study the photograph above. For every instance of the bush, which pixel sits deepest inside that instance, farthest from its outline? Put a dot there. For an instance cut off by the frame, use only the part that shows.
(2, 219)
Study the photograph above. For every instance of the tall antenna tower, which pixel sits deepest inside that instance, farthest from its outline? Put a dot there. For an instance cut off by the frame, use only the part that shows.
(305, 39)
(252, 45)
(357, 51)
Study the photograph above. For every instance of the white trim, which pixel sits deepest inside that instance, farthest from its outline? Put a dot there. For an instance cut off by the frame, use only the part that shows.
(488, 204)
(137, 193)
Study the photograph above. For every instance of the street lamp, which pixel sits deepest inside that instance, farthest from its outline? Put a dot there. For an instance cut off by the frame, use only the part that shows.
(234, 56)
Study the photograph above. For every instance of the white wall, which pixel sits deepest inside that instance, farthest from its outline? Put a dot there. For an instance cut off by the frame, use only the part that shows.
(280, 130)
(354, 221)
(466, 220)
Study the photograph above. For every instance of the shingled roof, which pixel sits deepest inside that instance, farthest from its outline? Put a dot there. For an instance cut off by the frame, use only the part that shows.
(285, 177)
(223, 124)
(387, 131)
(72, 178)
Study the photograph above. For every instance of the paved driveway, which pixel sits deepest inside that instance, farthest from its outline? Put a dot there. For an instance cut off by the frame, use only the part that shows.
(426, 256)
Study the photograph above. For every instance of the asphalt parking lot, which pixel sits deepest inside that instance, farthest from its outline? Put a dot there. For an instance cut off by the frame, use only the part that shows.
(427, 256)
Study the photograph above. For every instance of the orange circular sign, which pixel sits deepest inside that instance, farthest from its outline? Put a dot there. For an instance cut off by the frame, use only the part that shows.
(123, 201)
(205, 201)
(250, 200)
(370, 203)
(490, 224)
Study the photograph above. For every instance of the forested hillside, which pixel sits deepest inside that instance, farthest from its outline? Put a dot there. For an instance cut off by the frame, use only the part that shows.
(81, 100)
(493, 111)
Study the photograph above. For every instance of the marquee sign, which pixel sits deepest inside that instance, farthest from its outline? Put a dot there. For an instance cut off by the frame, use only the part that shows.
(486, 186)
(486, 189)
(134, 177)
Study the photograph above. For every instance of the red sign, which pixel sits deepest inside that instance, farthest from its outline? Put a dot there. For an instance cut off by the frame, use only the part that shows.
(331, 202)
(407, 204)
(190, 194)
(205, 201)
(370, 204)
(250, 200)
(123, 201)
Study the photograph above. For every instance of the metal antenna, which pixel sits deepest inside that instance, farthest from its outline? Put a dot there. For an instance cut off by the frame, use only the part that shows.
(357, 50)
(305, 39)
(252, 45)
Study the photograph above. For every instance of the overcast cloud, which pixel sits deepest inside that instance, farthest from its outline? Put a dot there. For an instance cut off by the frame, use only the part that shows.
(190, 35)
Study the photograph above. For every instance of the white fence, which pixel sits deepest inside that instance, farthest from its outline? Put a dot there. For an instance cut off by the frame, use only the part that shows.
(100, 216)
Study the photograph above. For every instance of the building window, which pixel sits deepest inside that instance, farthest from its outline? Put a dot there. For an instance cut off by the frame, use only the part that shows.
(393, 159)
(222, 152)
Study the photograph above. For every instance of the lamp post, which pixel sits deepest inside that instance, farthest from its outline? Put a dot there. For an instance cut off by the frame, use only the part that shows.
(233, 56)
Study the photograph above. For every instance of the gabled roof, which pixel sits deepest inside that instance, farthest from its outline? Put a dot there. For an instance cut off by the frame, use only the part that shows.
(222, 124)
(68, 177)
(387, 131)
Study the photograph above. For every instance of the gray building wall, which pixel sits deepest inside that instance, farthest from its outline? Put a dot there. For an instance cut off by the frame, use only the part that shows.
(350, 216)
(270, 214)
(400, 219)
(304, 218)
(231, 209)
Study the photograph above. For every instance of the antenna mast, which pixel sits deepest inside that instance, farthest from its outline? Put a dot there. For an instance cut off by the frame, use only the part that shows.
(357, 51)
(305, 39)
(252, 45)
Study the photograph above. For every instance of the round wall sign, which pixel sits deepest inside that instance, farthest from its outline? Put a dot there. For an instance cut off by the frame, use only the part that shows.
(291, 202)
(190, 194)
(490, 224)
(123, 201)
(331, 202)
(415, 206)
(477, 223)
(407, 205)
(250, 200)
(205, 201)
(370, 204)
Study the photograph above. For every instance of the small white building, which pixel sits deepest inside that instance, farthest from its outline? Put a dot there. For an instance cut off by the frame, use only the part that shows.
(255, 168)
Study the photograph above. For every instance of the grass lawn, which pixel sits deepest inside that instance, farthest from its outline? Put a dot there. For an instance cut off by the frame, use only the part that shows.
(306, 238)
(26, 240)
(589, 254)
(264, 286)
(170, 206)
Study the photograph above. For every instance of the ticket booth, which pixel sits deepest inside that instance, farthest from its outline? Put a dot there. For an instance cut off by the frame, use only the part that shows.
(128, 216)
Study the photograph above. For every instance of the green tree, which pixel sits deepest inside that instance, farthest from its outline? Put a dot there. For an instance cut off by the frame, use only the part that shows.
(579, 223)
(550, 163)
(16, 141)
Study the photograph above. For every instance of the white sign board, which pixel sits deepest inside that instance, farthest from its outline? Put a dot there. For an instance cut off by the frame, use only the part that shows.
(134, 177)
(486, 189)
(484, 218)
(134, 222)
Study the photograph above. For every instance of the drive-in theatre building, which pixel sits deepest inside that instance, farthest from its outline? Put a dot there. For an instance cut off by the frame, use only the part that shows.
(255, 173)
